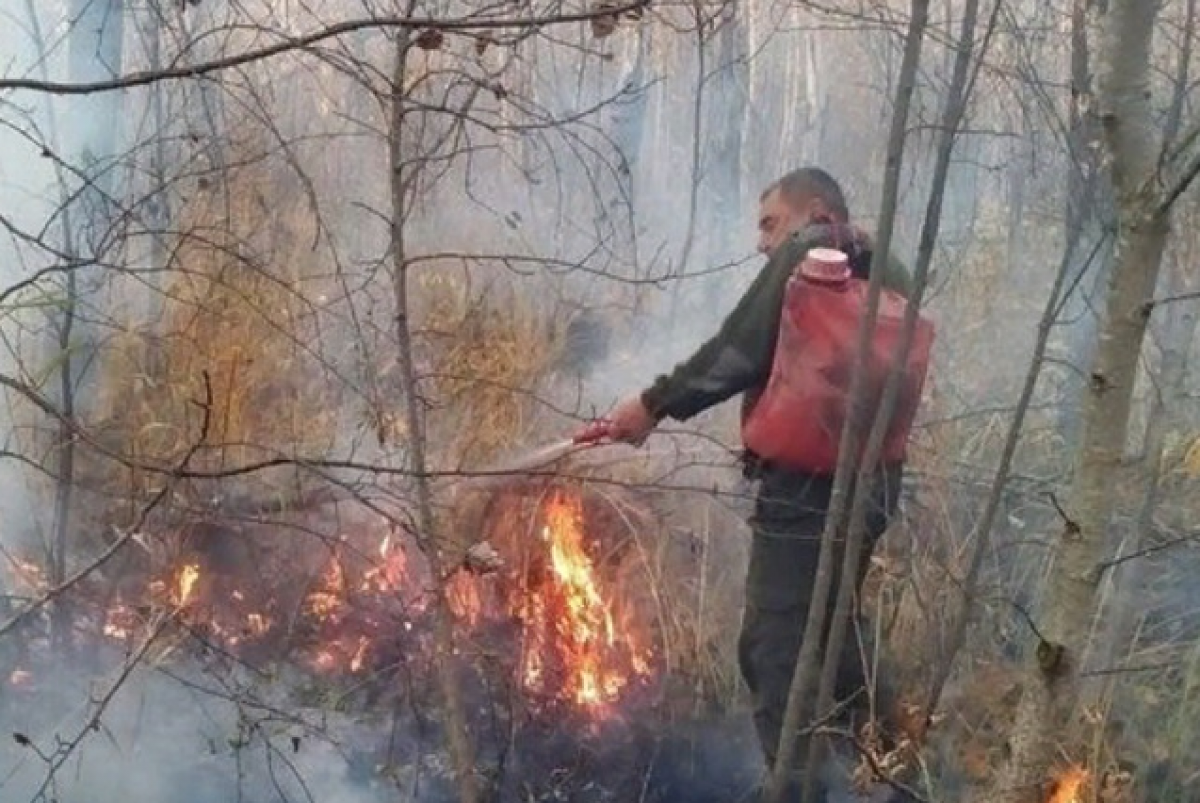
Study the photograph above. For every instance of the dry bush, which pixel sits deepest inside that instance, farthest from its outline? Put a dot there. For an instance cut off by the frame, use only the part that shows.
(239, 308)
(489, 351)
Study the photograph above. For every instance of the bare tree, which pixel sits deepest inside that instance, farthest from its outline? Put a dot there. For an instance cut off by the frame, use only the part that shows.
(1146, 187)
(810, 658)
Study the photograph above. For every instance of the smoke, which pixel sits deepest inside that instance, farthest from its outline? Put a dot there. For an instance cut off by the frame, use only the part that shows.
(27, 197)
(196, 735)
(180, 739)
(609, 197)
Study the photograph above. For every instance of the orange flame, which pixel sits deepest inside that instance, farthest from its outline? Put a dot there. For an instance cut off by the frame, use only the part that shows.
(389, 573)
(119, 622)
(1067, 785)
(462, 595)
(573, 649)
(568, 619)
(186, 583)
(356, 663)
(327, 600)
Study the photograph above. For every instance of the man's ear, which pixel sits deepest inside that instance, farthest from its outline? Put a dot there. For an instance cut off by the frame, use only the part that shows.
(817, 213)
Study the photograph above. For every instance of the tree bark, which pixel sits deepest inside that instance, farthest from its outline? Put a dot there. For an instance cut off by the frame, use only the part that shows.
(1173, 333)
(462, 751)
(959, 92)
(1088, 208)
(95, 51)
(1046, 712)
(808, 661)
(695, 168)
(981, 534)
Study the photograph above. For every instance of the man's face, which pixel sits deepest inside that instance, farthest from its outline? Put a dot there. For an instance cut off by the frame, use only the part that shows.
(777, 220)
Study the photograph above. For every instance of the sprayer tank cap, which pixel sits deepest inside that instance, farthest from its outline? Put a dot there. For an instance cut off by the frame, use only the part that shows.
(827, 256)
(827, 266)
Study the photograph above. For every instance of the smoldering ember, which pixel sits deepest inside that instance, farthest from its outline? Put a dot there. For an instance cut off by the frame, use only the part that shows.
(605, 401)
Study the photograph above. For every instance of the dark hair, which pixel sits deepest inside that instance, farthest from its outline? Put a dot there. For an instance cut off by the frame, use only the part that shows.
(805, 183)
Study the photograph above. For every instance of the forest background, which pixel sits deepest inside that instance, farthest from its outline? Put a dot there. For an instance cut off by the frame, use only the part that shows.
(283, 285)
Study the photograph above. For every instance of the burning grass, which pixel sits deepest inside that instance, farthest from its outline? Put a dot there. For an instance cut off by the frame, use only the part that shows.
(561, 647)
(555, 606)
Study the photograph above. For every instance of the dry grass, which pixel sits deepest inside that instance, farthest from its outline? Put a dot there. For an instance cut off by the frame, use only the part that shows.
(235, 311)
(490, 350)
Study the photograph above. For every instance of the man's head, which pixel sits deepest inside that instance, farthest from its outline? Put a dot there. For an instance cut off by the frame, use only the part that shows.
(804, 196)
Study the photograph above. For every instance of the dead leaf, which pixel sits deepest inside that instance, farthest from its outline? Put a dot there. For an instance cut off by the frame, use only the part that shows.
(1191, 460)
(604, 25)
(430, 39)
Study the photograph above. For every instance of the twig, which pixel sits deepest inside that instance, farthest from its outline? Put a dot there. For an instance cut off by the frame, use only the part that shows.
(876, 769)
(1150, 305)
(1028, 617)
(1150, 550)
(130, 532)
(1121, 670)
(66, 749)
(1068, 522)
(299, 42)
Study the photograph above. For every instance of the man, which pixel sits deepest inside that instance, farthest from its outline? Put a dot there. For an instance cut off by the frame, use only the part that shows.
(804, 209)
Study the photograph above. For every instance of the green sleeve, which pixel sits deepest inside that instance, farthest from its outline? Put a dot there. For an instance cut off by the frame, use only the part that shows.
(739, 356)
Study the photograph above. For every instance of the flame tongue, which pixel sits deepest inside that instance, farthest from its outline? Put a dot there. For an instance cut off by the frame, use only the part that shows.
(186, 583)
(568, 623)
(1066, 788)
(574, 647)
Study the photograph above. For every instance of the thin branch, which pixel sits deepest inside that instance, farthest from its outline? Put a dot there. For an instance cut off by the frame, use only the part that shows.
(1147, 551)
(1178, 184)
(291, 43)
(130, 532)
(1149, 306)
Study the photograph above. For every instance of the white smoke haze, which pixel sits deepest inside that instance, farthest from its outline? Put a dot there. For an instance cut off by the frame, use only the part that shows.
(161, 740)
(283, 165)
(27, 185)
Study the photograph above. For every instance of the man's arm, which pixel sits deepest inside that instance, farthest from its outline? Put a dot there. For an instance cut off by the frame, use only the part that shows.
(736, 358)
(739, 357)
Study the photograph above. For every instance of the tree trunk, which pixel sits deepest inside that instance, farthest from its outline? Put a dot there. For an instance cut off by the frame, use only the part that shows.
(1115, 626)
(723, 177)
(679, 293)
(1046, 711)
(808, 661)
(159, 218)
(1088, 207)
(981, 535)
(955, 109)
(458, 738)
(94, 52)
(1174, 332)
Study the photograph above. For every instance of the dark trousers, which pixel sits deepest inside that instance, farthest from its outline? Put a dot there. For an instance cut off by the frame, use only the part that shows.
(787, 524)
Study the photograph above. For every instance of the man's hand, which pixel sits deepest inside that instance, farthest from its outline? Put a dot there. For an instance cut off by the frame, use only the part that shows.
(631, 422)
